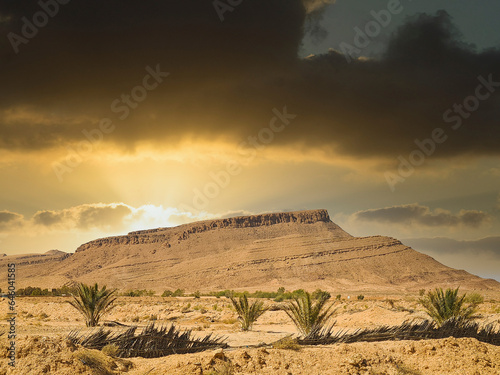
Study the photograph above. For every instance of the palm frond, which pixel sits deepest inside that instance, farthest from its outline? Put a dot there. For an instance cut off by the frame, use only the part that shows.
(453, 327)
(152, 342)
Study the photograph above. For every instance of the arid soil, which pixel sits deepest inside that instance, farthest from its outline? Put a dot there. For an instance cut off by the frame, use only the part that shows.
(44, 322)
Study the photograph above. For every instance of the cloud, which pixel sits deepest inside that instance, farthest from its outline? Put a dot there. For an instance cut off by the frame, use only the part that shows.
(226, 77)
(104, 217)
(110, 217)
(84, 217)
(9, 220)
(316, 5)
(48, 218)
(415, 214)
(489, 245)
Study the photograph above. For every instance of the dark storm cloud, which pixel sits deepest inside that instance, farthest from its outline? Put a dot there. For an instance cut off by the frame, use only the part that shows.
(226, 77)
(422, 215)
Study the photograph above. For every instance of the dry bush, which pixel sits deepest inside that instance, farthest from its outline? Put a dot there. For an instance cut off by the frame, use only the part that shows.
(99, 363)
(110, 350)
(288, 343)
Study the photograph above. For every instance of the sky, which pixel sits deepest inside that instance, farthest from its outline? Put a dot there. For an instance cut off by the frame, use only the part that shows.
(125, 115)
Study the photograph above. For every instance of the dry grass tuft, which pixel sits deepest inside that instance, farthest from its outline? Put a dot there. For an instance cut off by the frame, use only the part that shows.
(99, 363)
(111, 350)
(288, 343)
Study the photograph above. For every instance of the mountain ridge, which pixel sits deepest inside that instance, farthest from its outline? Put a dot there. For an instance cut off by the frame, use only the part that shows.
(299, 249)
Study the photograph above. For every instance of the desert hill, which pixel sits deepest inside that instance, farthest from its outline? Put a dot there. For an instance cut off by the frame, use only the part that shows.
(302, 249)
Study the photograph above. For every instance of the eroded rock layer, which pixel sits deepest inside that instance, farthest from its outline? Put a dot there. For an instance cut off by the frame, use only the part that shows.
(294, 249)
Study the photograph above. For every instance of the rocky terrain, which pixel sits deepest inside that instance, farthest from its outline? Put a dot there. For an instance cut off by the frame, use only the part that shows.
(294, 249)
(43, 324)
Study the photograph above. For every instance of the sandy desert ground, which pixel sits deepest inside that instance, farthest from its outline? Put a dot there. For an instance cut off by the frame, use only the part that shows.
(44, 322)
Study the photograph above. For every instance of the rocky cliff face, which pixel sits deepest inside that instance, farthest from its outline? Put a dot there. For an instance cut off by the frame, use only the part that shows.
(182, 232)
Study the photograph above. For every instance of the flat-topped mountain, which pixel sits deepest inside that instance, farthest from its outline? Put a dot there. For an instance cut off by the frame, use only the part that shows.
(302, 249)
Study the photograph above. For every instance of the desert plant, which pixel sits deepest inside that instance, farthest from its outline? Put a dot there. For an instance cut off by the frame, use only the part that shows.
(178, 293)
(247, 314)
(111, 350)
(167, 293)
(442, 305)
(318, 294)
(474, 298)
(93, 302)
(98, 362)
(309, 317)
(152, 341)
(361, 297)
(288, 343)
(138, 293)
(222, 368)
(390, 302)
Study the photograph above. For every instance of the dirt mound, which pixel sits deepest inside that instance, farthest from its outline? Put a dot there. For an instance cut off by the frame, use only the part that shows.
(46, 355)
(42, 355)
(448, 356)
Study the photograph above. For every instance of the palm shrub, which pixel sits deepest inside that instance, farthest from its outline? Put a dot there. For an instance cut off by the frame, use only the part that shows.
(93, 302)
(247, 314)
(309, 317)
(442, 305)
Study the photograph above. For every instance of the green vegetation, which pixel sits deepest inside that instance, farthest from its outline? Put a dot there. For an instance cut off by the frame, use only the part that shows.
(309, 317)
(474, 298)
(138, 293)
(279, 296)
(177, 293)
(361, 297)
(247, 314)
(37, 291)
(442, 305)
(93, 302)
(321, 294)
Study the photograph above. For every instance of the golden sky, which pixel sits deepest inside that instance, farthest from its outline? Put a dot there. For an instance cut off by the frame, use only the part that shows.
(133, 115)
